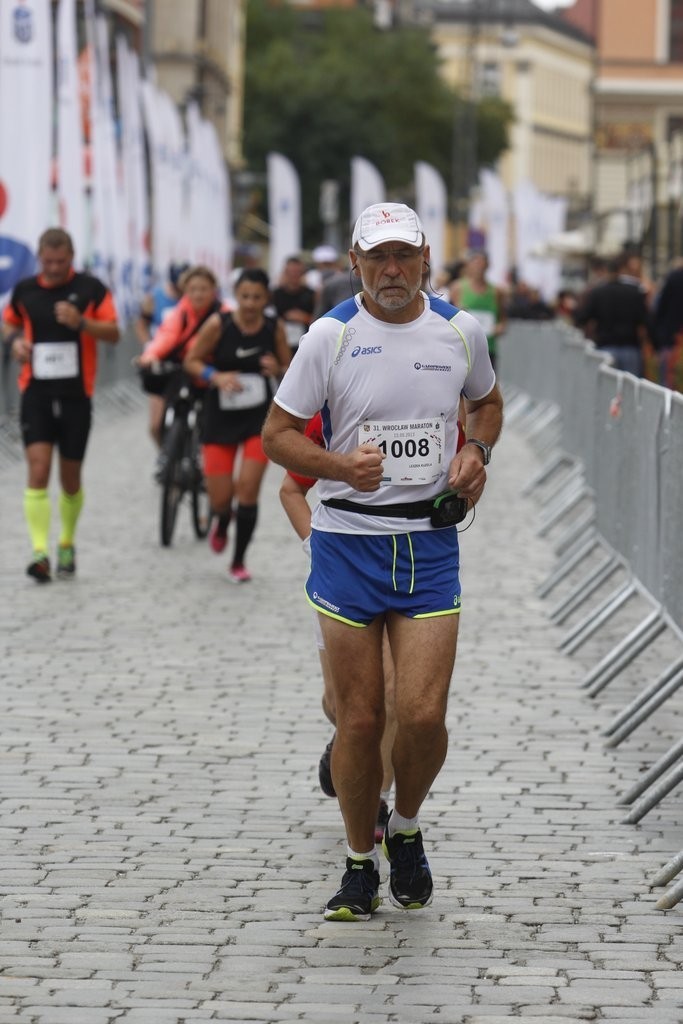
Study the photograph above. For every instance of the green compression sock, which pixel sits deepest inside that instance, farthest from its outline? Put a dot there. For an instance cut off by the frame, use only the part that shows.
(70, 506)
(37, 514)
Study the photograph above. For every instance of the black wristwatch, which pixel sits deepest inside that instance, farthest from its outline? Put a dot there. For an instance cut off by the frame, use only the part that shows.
(486, 448)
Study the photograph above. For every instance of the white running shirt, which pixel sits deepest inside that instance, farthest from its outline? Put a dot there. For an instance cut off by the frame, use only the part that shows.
(398, 383)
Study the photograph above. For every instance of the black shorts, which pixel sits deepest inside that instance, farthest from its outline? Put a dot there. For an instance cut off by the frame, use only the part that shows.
(64, 422)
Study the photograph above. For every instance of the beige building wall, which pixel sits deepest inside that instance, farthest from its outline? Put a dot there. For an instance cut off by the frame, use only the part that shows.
(197, 47)
(546, 78)
(639, 103)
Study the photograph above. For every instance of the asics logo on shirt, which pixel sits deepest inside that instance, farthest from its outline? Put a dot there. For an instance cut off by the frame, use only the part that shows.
(368, 350)
(243, 353)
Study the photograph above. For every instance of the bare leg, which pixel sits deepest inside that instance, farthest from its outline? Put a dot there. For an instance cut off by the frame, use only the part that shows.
(355, 658)
(390, 723)
(424, 655)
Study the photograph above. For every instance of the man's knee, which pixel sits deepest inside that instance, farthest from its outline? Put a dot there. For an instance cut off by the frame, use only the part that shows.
(364, 724)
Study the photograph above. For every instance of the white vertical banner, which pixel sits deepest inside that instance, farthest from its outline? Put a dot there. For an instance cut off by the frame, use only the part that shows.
(284, 212)
(25, 134)
(554, 222)
(199, 200)
(134, 169)
(176, 140)
(70, 156)
(529, 233)
(151, 106)
(367, 187)
(494, 201)
(221, 222)
(431, 207)
(113, 188)
(169, 172)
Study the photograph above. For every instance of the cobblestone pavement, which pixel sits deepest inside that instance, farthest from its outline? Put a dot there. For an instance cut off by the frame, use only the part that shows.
(165, 848)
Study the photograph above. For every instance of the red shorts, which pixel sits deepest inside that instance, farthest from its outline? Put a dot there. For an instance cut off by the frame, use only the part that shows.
(219, 459)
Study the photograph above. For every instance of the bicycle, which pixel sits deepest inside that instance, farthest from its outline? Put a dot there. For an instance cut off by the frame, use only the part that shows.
(180, 470)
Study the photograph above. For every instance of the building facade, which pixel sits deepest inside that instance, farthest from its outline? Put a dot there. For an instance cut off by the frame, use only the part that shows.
(542, 66)
(638, 109)
(196, 48)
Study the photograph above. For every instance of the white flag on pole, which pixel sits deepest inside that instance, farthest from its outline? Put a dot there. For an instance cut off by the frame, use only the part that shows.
(168, 172)
(284, 212)
(367, 187)
(494, 200)
(25, 135)
(431, 207)
(70, 166)
(134, 169)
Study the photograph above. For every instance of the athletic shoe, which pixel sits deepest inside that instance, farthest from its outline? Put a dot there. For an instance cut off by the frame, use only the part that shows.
(238, 574)
(66, 562)
(218, 534)
(39, 569)
(325, 771)
(410, 880)
(358, 895)
(382, 819)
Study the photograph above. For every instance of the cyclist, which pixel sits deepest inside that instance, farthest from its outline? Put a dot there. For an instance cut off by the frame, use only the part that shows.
(171, 342)
(154, 308)
(54, 321)
(239, 354)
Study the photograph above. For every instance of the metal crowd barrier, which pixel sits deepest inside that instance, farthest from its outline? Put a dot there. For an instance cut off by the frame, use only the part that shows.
(611, 450)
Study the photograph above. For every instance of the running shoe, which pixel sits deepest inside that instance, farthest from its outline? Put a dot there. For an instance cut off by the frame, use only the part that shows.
(218, 534)
(66, 562)
(382, 819)
(325, 771)
(410, 880)
(239, 574)
(358, 895)
(39, 569)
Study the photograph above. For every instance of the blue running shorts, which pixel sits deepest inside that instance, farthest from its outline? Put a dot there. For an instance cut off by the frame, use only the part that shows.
(355, 577)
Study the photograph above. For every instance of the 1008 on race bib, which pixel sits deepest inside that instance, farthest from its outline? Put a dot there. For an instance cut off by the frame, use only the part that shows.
(413, 450)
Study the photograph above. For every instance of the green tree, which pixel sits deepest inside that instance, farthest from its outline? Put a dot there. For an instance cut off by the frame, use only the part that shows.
(323, 86)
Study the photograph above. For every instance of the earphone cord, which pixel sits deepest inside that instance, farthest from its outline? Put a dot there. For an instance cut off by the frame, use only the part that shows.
(474, 516)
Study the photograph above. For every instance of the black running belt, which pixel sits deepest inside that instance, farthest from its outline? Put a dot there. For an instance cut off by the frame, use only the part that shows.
(405, 510)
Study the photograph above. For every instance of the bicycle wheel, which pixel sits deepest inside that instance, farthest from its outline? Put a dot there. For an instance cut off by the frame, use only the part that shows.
(201, 506)
(173, 483)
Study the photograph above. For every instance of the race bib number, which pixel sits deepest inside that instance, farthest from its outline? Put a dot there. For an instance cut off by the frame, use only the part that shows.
(294, 333)
(254, 392)
(55, 360)
(413, 450)
(485, 318)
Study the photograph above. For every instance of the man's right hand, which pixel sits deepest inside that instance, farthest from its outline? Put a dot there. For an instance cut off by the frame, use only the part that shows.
(21, 350)
(364, 468)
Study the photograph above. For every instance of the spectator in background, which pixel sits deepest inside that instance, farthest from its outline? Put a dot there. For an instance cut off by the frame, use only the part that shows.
(475, 294)
(565, 305)
(326, 263)
(632, 271)
(525, 302)
(293, 301)
(335, 289)
(615, 316)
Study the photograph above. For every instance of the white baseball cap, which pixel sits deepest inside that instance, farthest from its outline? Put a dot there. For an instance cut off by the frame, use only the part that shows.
(325, 254)
(387, 222)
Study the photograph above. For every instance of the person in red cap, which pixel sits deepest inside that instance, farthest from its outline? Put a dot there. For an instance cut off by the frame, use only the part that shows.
(387, 368)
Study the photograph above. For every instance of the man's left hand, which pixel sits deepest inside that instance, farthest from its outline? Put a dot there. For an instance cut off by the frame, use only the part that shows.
(68, 314)
(466, 474)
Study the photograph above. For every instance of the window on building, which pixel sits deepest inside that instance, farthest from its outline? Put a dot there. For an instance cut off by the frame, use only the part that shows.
(676, 31)
(488, 79)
